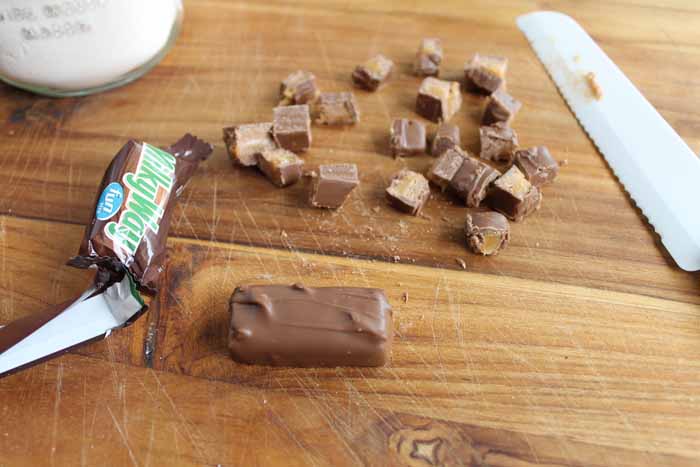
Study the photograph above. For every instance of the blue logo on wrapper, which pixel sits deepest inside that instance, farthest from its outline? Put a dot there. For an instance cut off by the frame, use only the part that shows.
(110, 201)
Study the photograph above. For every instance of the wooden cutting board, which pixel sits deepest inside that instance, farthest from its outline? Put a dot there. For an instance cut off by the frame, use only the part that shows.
(578, 345)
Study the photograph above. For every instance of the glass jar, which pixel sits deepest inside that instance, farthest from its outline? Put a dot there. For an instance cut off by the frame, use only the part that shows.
(77, 47)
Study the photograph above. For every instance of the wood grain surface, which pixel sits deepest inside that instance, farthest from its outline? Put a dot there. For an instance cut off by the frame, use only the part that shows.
(578, 345)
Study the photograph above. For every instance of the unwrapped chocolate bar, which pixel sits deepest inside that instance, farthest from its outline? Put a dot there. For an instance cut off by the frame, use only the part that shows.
(487, 232)
(438, 100)
(485, 73)
(298, 88)
(332, 185)
(408, 191)
(514, 196)
(407, 137)
(300, 326)
(245, 142)
(428, 57)
(446, 137)
(538, 165)
(372, 73)
(291, 127)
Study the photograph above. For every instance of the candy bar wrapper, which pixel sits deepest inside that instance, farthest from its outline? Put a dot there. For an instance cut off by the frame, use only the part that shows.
(125, 242)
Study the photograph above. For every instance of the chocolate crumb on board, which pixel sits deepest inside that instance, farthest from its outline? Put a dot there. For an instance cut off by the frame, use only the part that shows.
(438, 100)
(594, 86)
(514, 196)
(373, 73)
(404, 297)
(281, 167)
(244, 143)
(408, 191)
(291, 127)
(428, 57)
(501, 107)
(485, 73)
(407, 137)
(461, 262)
(487, 232)
(298, 88)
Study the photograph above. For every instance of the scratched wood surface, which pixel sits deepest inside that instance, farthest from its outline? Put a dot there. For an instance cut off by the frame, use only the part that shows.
(576, 346)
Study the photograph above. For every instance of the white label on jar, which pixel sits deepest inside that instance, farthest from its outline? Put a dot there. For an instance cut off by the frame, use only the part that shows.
(78, 44)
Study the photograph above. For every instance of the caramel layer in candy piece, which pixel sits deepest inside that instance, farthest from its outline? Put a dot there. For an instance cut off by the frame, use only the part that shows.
(498, 142)
(408, 191)
(428, 58)
(372, 73)
(299, 326)
(245, 142)
(280, 166)
(537, 164)
(337, 108)
(513, 195)
(472, 181)
(487, 232)
(446, 166)
(485, 73)
(298, 88)
(501, 107)
(438, 100)
(332, 185)
(291, 127)
(446, 137)
(407, 137)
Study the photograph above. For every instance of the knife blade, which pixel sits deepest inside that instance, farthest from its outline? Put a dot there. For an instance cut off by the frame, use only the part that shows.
(656, 167)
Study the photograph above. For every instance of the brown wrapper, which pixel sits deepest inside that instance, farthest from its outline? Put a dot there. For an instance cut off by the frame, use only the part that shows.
(134, 205)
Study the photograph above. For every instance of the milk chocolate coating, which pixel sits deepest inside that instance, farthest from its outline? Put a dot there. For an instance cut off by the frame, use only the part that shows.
(538, 165)
(298, 88)
(333, 184)
(472, 181)
(299, 326)
(438, 100)
(407, 137)
(487, 232)
(446, 137)
(144, 258)
(501, 107)
(485, 73)
(498, 142)
(445, 167)
(291, 127)
(245, 142)
(337, 108)
(372, 73)
(281, 167)
(514, 196)
(408, 191)
(428, 57)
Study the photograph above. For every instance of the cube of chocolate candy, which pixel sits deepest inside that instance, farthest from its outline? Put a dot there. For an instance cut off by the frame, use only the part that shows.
(337, 108)
(487, 232)
(537, 164)
(291, 127)
(298, 88)
(501, 107)
(407, 137)
(446, 166)
(428, 58)
(245, 142)
(498, 142)
(446, 137)
(332, 185)
(513, 195)
(485, 73)
(280, 166)
(438, 100)
(372, 73)
(472, 181)
(408, 191)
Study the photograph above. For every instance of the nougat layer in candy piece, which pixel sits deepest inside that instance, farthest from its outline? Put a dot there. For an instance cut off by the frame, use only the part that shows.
(408, 191)
(487, 232)
(438, 100)
(537, 164)
(245, 143)
(281, 167)
(514, 196)
(371, 74)
(300, 326)
(332, 185)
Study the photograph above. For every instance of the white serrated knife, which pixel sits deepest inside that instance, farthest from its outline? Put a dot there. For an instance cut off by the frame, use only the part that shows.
(657, 168)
